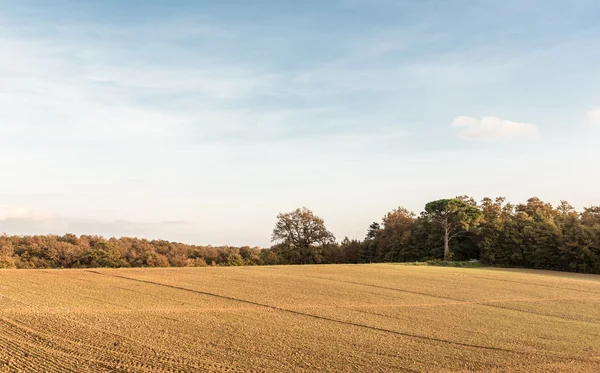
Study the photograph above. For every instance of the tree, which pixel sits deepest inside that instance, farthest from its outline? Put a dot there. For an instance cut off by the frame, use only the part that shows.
(425, 235)
(455, 216)
(576, 246)
(374, 229)
(536, 233)
(352, 250)
(370, 244)
(495, 226)
(590, 216)
(235, 259)
(301, 235)
(395, 236)
(251, 255)
(301, 228)
(6, 252)
(538, 210)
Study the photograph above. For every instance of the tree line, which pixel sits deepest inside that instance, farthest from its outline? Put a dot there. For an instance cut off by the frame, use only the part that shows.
(534, 234)
(71, 251)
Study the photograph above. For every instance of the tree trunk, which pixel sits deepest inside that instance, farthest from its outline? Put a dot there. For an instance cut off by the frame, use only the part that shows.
(446, 242)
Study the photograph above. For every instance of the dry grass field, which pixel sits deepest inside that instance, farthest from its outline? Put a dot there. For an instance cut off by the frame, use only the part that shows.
(327, 318)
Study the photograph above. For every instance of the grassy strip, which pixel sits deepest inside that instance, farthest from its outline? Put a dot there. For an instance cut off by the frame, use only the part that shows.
(444, 263)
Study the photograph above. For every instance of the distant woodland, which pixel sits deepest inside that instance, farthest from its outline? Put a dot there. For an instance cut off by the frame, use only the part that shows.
(534, 234)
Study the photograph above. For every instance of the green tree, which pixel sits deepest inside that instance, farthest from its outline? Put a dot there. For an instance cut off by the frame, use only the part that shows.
(373, 230)
(301, 236)
(235, 259)
(269, 257)
(370, 246)
(352, 250)
(536, 233)
(426, 237)
(590, 217)
(495, 224)
(251, 255)
(395, 236)
(455, 216)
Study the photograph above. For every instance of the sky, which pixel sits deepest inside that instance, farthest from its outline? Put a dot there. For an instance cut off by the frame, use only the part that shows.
(200, 121)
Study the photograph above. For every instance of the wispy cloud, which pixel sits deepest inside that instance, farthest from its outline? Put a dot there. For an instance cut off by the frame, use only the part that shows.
(72, 88)
(26, 221)
(197, 112)
(493, 128)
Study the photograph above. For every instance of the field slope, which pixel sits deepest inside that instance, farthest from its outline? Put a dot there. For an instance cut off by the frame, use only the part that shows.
(327, 318)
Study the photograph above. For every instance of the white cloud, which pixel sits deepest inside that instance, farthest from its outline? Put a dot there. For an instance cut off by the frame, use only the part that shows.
(493, 128)
(218, 119)
(594, 117)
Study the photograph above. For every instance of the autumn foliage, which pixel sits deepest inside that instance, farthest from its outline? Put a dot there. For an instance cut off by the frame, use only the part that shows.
(533, 234)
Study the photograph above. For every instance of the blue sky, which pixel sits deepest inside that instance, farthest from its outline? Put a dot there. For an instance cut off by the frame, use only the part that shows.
(199, 121)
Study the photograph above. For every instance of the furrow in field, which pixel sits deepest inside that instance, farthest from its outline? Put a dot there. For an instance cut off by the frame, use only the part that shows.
(74, 347)
(426, 338)
(66, 352)
(457, 301)
(536, 284)
(300, 319)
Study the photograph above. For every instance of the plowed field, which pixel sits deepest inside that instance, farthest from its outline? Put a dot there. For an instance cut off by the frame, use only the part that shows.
(327, 318)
